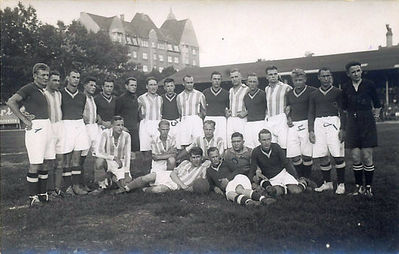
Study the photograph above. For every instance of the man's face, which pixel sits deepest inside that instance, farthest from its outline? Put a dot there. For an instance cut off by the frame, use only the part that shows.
(214, 157)
(117, 126)
(272, 76)
(189, 83)
(237, 143)
(216, 81)
(152, 86)
(164, 130)
(41, 77)
(235, 78)
(252, 83)
(131, 86)
(209, 130)
(265, 141)
(108, 87)
(355, 73)
(169, 87)
(90, 87)
(73, 79)
(326, 78)
(54, 82)
(195, 160)
(299, 81)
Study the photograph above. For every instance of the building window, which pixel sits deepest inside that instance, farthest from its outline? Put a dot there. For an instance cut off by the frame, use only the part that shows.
(185, 60)
(176, 48)
(160, 69)
(145, 56)
(194, 62)
(135, 43)
(161, 45)
(176, 59)
(134, 54)
(153, 44)
(145, 68)
(170, 47)
(144, 43)
(128, 40)
(160, 57)
(194, 51)
(169, 59)
(154, 56)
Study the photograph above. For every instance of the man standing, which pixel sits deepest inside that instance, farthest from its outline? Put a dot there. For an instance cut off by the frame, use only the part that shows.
(191, 105)
(127, 107)
(75, 137)
(237, 113)
(38, 130)
(276, 93)
(55, 162)
(326, 130)
(105, 103)
(299, 148)
(170, 112)
(217, 103)
(163, 149)
(361, 133)
(255, 102)
(181, 177)
(269, 164)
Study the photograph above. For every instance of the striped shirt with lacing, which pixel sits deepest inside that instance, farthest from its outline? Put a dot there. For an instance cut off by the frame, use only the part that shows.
(107, 149)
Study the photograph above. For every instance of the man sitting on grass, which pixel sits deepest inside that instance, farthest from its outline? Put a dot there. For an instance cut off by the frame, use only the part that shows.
(182, 177)
(237, 187)
(268, 164)
(113, 155)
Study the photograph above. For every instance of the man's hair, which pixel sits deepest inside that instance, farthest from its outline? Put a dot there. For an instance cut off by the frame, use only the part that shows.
(195, 151)
(130, 78)
(168, 80)
(73, 70)
(252, 74)
(323, 69)
(264, 131)
(109, 79)
(150, 78)
(215, 73)
(116, 118)
(236, 135)
(297, 73)
(40, 66)
(55, 73)
(88, 79)
(212, 149)
(350, 64)
(186, 76)
(270, 67)
(163, 122)
(210, 122)
(234, 70)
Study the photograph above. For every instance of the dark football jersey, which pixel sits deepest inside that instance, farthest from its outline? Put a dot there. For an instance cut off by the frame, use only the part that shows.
(72, 105)
(256, 105)
(216, 102)
(299, 103)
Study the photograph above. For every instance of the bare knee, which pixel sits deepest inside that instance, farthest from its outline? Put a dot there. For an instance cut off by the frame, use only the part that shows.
(171, 163)
(356, 157)
(367, 156)
(280, 190)
(294, 189)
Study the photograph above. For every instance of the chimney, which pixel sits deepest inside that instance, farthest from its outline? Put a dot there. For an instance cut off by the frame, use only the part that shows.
(122, 17)
(389, 36)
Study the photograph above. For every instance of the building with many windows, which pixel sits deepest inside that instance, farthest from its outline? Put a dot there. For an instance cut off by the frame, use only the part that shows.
(173, 44)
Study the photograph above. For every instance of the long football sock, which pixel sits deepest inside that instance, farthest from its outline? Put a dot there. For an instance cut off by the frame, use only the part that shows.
(43, 176)
(307, 168)
(67, 175)
(298, 167)
(369, 173)
(76, 175)
(326, 172)
(358, 173)
(241, 199)
(33, 183)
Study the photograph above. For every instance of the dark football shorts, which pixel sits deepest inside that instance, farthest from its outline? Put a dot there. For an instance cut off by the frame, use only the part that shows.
(361, 130)
(135, 142)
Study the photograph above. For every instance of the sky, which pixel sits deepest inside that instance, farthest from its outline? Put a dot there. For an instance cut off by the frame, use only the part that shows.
(237, 31)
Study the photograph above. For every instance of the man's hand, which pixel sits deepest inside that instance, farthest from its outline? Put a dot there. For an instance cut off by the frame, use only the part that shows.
(289, 122)
(242, 114)
(376, 113)
(341, 135)
(260, 175)
(106, 124)
(224, 182)
(117, 160)
(228, 112)
(312, 137)
(128, 178)
(218, 191)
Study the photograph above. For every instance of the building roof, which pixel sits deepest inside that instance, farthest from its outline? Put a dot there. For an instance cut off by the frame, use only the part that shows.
(174, 28)
(142, 24)
(103, 22)
(382, 59)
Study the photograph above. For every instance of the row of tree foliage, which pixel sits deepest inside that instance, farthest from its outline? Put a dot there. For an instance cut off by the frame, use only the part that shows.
(26, 41)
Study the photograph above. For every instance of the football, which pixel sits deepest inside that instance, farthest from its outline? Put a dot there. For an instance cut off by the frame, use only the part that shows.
(201, 186)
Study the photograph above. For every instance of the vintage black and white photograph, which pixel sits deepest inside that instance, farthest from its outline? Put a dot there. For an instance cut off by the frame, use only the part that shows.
(199, 126)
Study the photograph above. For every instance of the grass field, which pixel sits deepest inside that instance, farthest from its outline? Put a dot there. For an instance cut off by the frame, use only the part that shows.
(191, 223)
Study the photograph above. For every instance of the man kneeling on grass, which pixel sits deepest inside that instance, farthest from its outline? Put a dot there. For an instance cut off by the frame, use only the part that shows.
(268, 164)
(113, 154)
(182, 177)
(230, 183)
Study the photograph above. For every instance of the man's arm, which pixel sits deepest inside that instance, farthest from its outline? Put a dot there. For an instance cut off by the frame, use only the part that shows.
(176, 179)
(311, 117)
(13, 103)
(101, 148)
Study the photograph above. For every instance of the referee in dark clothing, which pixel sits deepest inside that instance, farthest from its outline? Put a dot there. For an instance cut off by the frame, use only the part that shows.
(361, 132)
